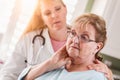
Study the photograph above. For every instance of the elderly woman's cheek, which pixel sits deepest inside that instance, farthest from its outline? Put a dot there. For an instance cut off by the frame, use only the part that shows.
(72, 52)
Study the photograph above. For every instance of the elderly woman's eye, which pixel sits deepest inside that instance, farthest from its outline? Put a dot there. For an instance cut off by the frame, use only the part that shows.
(84, 37)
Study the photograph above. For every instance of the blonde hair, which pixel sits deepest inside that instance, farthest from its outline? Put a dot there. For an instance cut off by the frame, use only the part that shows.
(98, 23)
(36, 21)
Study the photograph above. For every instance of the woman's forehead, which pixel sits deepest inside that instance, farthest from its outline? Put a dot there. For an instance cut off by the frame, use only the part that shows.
(50, 1)
(83, 28)
(79, 27)
(49, 4)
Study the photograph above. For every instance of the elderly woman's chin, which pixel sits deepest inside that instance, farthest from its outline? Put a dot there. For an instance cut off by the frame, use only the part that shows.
(73, 52)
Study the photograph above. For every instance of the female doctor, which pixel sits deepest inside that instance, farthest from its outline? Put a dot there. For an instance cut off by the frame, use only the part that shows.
(45, 34)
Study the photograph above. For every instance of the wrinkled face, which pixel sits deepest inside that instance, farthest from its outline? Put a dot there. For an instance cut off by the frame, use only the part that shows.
(53, 13)
(81, 45)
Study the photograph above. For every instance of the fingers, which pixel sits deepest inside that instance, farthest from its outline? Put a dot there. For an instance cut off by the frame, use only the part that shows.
(101, 67)
(65, 61)
(61, 58)
(62, 62)
(109, 75)
(97, 68)
(62, 51)
(97, 61)
(63, 48)
(94, 67)
(68, 63)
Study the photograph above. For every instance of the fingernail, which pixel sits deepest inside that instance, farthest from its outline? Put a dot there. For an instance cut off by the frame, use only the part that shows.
(89, 67)
(68, 61)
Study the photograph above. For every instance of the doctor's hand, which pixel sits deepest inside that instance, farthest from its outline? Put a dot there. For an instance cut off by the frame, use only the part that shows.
(59, 59)
(101, 67)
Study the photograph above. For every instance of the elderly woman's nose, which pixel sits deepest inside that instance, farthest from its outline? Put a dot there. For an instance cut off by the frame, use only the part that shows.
(76, 40)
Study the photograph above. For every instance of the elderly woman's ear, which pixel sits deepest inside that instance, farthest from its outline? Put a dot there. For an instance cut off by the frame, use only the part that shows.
(99, 47)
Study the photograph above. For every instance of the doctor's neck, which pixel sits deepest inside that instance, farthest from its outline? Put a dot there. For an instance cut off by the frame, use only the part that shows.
(58, 35)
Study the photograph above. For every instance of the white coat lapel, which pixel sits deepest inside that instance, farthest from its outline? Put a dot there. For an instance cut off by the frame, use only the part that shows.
(48, 41)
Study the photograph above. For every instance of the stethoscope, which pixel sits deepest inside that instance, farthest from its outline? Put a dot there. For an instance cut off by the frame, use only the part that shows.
(39, 35)
(35, 58)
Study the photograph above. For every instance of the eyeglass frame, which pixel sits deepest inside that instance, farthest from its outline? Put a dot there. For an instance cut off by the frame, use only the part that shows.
(80, 37)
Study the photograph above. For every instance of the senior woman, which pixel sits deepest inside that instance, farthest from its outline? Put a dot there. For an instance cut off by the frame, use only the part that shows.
(85, 40)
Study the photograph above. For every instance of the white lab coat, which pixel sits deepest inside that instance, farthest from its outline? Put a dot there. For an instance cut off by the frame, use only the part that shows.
(25, 50)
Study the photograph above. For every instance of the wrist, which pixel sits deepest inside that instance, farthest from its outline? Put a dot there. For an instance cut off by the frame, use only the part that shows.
(38, 70)
(49, 65)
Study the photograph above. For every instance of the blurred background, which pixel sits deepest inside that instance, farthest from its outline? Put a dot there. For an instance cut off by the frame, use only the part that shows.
(15, 15)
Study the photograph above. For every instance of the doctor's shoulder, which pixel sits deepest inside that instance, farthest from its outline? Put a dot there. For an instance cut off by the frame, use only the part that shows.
(30, 35)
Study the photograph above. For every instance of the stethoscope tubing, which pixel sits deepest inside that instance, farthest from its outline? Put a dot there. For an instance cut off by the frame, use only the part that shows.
(35, 59)
(39, 35)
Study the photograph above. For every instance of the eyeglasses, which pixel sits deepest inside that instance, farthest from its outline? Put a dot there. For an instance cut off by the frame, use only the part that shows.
(84, 37)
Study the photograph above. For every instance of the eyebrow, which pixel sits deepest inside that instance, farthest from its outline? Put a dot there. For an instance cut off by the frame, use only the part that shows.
(86, 32)
(48, 10)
